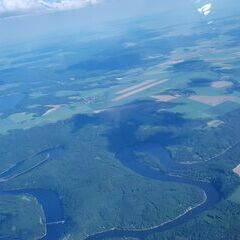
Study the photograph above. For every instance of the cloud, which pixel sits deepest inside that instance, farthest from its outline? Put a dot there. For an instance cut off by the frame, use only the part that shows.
(205, 9)
(23, 7)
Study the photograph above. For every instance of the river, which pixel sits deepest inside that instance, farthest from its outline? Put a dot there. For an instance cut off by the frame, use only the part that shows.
(54, 213)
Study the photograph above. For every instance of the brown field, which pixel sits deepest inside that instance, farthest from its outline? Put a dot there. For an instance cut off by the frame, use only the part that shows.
(214, 123)
(164, 98)
(213, 100)
(237, 170)
(221, 84)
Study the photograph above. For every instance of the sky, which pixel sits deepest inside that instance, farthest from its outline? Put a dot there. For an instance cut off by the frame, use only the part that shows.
(21, 19)
(26, 19)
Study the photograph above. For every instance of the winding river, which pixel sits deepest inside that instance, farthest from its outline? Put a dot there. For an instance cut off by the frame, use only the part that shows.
(129, 160)
(49, 200)
(53, 209)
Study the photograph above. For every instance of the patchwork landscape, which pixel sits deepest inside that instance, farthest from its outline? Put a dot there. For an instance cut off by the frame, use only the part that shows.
(133, 136)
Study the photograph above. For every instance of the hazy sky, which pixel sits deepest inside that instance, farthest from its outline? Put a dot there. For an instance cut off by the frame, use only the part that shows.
(24, 19)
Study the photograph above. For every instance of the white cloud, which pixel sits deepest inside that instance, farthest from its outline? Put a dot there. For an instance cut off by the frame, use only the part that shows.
(205, 9)
(18, 7)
